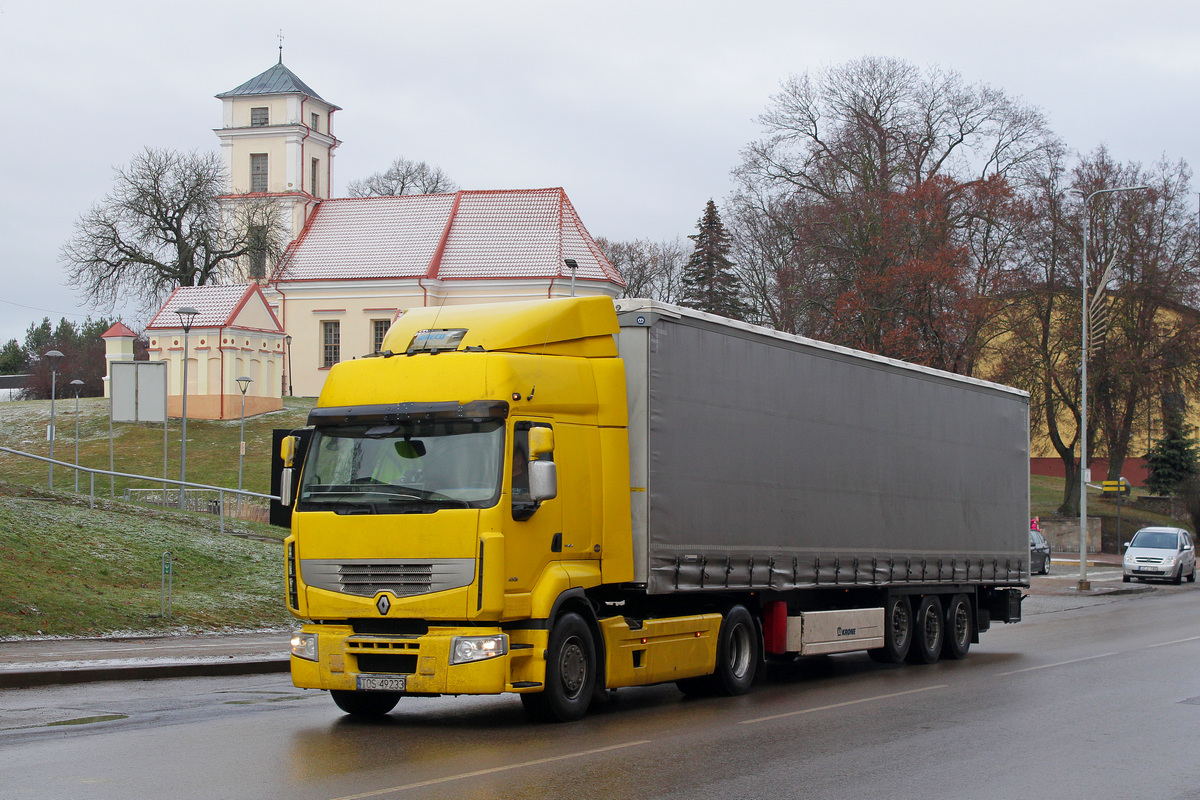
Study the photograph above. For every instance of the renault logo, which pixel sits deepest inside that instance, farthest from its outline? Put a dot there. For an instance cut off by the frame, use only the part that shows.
(383, 604)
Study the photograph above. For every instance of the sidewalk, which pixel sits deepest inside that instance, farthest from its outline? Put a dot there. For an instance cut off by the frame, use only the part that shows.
(42, 662)
(1104, 574)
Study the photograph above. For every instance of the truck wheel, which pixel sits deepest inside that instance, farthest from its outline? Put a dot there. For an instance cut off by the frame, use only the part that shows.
(738, 647)
(570, 673)
(738, 652)
(365, 704)
(897, 631)
(929, 631)
(958, 627)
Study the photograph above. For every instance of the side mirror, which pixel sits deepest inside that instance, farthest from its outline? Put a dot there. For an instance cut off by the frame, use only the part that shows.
(1126, 545)
(543, 480)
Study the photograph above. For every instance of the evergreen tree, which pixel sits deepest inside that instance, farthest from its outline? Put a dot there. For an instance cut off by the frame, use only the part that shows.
(83, 357)
(12, 359)
(709, 282)
(1172, 459)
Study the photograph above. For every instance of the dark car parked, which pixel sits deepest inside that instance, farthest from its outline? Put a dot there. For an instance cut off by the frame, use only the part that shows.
(1039, 553)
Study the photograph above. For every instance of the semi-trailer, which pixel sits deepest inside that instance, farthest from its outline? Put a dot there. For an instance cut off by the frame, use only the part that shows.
(561, 497)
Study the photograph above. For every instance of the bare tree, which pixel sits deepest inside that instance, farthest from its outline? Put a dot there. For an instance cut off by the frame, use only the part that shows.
(878, 210)
(403, 177)
(1149, 352)
(650, 269)
(163, 226)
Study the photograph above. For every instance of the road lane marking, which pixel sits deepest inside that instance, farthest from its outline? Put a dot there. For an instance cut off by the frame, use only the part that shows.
(1177, 641)
(1058, 664)
(490, 771)
(843, 705)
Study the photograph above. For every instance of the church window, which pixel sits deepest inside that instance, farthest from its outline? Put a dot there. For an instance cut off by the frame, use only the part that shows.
(331, 342)
(379, 329)
(258, 251)
(316, 122)
(316, 173)
(259, 117)
(258, 172)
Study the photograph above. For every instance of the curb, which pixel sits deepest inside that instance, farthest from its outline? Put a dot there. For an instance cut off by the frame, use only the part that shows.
(11, 679)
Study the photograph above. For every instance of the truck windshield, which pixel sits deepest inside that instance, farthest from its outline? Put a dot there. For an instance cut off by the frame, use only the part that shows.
(413, 467)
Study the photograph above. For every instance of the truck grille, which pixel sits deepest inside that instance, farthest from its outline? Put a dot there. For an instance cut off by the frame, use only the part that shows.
(402, 578)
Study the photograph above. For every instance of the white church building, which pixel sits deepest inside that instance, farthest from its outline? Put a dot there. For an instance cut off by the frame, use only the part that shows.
(353, 264)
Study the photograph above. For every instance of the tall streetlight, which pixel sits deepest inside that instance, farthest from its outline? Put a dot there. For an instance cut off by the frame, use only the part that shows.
(78, 384)
(53, 356)
(187, 315)
(1084, 473)
(244, 383)
(288, 341)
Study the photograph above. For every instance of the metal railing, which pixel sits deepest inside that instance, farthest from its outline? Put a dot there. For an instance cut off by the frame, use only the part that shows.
(220, 491)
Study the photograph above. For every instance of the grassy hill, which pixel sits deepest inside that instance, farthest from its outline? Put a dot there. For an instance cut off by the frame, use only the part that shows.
(72, 570)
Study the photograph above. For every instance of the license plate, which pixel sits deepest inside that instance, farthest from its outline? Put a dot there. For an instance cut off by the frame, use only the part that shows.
(381, 683)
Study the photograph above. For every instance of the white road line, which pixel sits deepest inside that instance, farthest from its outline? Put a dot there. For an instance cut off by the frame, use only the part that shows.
(843, 705)
(1177, 641)
(490, 771)
(1057, 664)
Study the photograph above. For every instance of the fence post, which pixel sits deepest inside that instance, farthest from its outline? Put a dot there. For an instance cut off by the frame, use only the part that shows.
(165, 591)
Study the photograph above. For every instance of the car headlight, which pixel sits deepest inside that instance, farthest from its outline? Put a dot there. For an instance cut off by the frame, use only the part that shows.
(464, 649)
(1169, 561)
(304, 645)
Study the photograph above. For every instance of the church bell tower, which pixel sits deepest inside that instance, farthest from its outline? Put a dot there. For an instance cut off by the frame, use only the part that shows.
(277, 143)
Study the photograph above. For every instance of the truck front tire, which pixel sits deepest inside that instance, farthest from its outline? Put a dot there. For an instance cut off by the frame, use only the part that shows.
(365, 704)
(570, 673)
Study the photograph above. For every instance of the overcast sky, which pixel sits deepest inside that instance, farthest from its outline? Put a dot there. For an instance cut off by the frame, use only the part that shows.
(637, 109)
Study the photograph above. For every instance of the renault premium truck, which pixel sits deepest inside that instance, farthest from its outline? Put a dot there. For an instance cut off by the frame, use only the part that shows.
(561, 497)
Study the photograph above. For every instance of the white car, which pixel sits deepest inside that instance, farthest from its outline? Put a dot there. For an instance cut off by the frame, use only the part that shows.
(1160, 553)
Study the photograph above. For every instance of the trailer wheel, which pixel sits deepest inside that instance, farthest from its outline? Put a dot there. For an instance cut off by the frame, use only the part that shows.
(570, 673)
(897, 631)
(929, 631)
(365, 704)
(958, 628)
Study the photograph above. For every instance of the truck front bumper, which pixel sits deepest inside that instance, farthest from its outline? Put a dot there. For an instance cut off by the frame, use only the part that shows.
(335, 657)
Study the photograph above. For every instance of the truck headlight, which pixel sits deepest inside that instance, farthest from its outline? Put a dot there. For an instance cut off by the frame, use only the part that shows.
(464, 649)
(304, 645)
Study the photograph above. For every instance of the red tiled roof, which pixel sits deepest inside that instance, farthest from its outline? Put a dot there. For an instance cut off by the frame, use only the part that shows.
(119, 329)
(507, 233)
(218, 306)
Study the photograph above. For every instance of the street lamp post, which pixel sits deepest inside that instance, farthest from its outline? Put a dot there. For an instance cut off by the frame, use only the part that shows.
(288, 341)
(1084, 584)
(54, 356)
(78, 384)
(243, 382)
(187, 315)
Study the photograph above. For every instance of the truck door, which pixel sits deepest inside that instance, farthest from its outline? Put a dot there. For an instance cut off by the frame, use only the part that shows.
(537, 530)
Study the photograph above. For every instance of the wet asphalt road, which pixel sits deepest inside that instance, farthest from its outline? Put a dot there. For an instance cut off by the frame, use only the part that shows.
(1088, 697)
